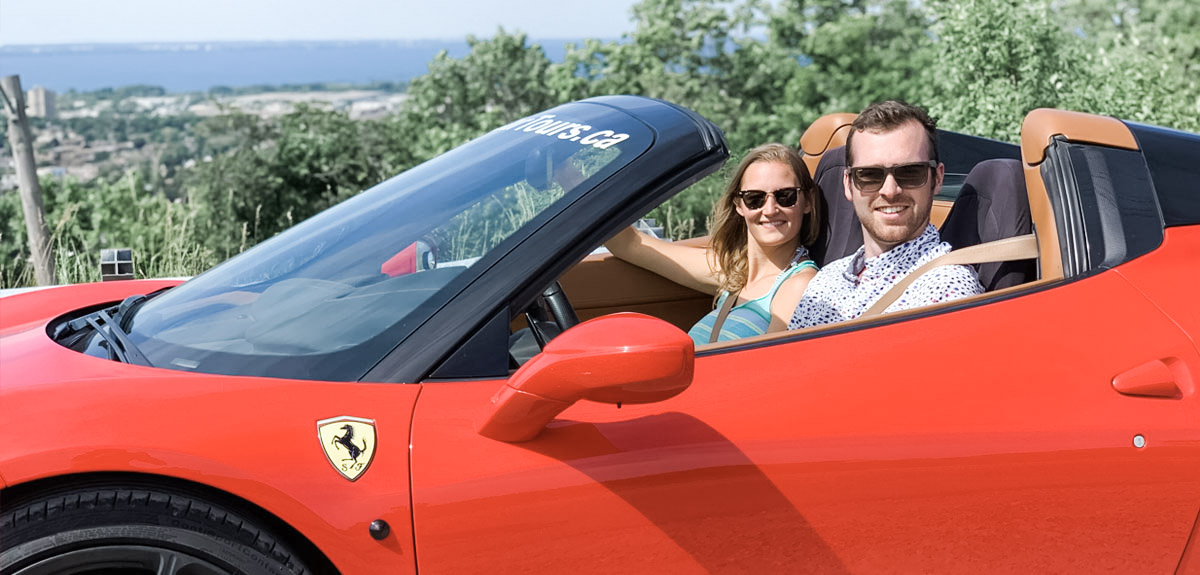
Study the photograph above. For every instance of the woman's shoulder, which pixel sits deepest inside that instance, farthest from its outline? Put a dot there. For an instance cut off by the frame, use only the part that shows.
(795, 279)
(799, 268)
(789, 291)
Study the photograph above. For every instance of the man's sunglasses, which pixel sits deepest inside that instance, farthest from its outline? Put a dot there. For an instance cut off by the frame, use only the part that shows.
(755, 199)
(870, 178)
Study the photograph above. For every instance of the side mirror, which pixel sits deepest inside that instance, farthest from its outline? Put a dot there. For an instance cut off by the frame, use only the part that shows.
(417, 257)
(618, 358)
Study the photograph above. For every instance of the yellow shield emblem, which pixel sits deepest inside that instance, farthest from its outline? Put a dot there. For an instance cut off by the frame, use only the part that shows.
(349, 444)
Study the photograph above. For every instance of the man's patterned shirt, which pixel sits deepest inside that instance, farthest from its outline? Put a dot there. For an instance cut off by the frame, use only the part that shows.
(846, 288)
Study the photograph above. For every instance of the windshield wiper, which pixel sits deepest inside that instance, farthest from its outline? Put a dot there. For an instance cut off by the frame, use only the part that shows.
(125, 310)
(119, 344)
(122, 314)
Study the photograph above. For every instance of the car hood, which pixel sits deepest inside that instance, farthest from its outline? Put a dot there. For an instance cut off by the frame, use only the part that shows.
(27, 354)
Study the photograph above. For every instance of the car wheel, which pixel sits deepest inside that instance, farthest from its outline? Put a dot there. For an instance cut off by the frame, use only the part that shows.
(135, 530)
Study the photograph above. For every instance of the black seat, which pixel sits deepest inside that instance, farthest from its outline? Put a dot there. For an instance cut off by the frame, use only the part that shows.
(992, 205)
(842, 233)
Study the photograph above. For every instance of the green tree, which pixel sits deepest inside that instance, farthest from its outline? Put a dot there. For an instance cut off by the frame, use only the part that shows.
(997, 60)
(1000, 59)
(707, 55)
(858, 52)
(1142, 62)
(281, 172)
(502, 79)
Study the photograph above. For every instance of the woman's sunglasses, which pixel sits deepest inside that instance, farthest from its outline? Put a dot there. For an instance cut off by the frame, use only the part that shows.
(869, 179)
(755, 199)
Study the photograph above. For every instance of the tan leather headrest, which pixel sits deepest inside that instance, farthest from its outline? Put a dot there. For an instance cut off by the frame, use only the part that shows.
(827, 132)
(1043, 124)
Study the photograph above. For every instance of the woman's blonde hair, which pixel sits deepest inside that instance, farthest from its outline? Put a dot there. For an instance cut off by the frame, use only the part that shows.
(727, 246)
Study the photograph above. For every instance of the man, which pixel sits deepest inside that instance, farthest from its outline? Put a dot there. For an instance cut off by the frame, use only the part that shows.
(892, 175)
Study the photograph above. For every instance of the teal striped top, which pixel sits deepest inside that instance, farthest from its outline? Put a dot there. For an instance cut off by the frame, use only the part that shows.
(746, 319)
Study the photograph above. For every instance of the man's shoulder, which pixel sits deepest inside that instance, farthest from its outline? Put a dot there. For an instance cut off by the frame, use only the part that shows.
(930, 246)
(948, 282)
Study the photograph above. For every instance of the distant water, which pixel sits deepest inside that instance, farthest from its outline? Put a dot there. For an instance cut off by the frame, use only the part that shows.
(200, 66)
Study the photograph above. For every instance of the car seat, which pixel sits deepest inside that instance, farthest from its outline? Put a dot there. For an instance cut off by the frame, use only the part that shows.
(841, 234)
(992, 205)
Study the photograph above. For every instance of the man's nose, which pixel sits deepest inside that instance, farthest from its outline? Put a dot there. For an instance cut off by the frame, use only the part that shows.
(890, 187)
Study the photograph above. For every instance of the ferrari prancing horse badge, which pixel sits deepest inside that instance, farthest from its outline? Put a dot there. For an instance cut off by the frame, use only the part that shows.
(349, 444)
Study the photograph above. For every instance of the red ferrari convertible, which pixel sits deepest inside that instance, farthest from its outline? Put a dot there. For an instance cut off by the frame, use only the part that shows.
(439, 376)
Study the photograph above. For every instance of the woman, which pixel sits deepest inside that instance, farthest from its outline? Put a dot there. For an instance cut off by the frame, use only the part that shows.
(756, 262)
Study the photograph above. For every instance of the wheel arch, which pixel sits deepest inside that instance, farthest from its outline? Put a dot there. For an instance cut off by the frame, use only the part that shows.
(13, 495)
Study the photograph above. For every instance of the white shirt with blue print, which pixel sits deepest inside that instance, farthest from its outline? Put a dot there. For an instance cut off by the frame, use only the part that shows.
(846, 288)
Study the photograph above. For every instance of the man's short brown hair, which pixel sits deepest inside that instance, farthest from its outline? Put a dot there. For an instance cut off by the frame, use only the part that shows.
(888, 115)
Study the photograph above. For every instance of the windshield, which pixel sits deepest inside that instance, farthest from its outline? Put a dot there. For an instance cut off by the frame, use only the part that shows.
(329, 297)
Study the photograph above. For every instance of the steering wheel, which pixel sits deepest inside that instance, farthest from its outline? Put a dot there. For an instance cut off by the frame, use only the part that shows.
(551, 315)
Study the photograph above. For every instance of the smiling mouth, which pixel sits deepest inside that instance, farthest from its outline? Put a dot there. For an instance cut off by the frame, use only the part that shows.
(891, 209)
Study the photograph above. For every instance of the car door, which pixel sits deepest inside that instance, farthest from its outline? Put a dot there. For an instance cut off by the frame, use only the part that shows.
(984, 439)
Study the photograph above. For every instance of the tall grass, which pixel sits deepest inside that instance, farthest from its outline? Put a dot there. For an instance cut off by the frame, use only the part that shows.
(163, 234)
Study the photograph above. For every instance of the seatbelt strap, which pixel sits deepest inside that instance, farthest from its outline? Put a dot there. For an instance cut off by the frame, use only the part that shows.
(721, 315)
(1008, 249)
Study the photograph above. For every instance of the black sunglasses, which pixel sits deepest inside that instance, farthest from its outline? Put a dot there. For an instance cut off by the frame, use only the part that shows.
(755, 199)
(870, 178)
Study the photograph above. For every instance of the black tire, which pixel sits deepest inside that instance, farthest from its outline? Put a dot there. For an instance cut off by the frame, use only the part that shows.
(126, 530)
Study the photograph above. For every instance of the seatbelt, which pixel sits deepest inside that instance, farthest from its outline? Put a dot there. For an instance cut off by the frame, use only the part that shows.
(721, 315)
(1008, 249)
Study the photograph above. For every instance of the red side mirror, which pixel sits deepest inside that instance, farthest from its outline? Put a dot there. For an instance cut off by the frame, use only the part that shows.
(417, 257)
(619, 358)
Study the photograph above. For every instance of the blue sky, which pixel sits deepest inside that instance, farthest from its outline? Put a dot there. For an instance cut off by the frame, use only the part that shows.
(89, 21)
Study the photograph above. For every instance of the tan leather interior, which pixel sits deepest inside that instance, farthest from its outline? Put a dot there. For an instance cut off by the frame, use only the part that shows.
(1037, 131)
(602, 284)
(941, 209)
(1043, 124)
(1049, 251)
(828, 131)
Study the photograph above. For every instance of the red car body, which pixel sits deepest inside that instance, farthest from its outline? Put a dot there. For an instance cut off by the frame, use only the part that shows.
(1050, 427)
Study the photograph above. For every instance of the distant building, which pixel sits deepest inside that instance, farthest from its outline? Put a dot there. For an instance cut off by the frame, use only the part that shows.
(40, 103)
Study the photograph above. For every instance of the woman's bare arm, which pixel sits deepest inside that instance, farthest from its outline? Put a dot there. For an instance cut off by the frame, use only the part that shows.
(685, 265)
(787, 297)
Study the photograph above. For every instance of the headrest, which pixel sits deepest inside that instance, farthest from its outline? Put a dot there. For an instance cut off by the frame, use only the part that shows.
(827, 132)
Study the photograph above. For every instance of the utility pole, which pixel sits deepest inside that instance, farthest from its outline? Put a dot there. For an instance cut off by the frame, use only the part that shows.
(21, 142)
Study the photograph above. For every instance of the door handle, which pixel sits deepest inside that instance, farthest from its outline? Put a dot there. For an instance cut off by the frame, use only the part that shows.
(1151, 379)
